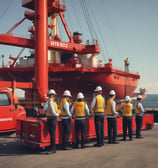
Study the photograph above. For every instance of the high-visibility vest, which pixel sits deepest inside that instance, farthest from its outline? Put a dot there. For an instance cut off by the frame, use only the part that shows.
(127, 110)
(100, 104)
(108, 106)
(137, 110)
(62, 102)
(80, 109)
(48, 113)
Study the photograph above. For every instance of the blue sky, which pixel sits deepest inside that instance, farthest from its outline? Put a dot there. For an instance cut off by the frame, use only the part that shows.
(124, 28)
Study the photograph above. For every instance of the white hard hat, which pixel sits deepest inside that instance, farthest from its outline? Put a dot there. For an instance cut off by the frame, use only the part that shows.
(139, 97)
(52, 91)
(112, 92)
(127, 99)
(67, 93)
(98, 88)
(80, 95)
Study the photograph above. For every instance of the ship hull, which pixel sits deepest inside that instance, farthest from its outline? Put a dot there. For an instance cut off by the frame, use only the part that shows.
(81, 80)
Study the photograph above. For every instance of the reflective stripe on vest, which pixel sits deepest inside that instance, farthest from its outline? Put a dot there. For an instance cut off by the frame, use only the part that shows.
(137, 110)
(100, 103)
(62, 102)
(48, 113)
(127, 110)
(80, 109)
(108, 107)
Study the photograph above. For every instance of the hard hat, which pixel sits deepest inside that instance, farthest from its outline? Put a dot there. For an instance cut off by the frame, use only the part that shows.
(98, 88)
(112, 92)
(127, 99)
(80, 95)
(139, 97)
(67, 93)
(52, 91)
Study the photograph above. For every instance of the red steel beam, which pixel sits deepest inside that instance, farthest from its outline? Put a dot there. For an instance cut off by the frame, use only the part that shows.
(73, 47)
(52, 44)
(22, 85)
(16, 25)
(66, 27)
(16, 41)
(41, 49)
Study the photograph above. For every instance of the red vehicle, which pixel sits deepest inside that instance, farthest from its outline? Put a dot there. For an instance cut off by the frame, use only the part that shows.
(9, 112)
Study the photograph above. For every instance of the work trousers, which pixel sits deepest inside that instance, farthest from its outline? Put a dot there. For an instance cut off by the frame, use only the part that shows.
(139, 120)
(80, 126)
(66, 123)
(99, 128)
(112, 129)
(51, 122)
(127, 123)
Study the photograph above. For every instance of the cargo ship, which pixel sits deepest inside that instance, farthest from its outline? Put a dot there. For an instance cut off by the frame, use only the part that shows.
(69, 64)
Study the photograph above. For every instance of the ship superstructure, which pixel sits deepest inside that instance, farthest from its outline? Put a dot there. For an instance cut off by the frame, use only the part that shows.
(65, 65)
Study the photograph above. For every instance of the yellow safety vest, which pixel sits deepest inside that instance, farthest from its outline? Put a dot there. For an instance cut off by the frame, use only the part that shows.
(48, 113)
(108, 107)
(127, 110)
(100, 104)
(137, 110)
(80, 109)
(62, 102)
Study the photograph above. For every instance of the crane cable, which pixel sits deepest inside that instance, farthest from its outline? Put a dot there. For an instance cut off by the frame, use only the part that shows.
(11, 1)
(101, 36)
(87, 17)
(77, 17)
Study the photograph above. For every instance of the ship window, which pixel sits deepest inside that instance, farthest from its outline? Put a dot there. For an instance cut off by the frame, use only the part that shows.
(4, 99)
(116, 77)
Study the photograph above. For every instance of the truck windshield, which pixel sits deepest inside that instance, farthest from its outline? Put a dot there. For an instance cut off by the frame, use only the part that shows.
(4, 99)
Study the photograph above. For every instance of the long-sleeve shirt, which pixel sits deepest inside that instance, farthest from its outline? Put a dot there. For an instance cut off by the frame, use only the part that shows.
(66, 107)
(93, 103)
(86, 110)
(140, 107)
(52, 110)
(113, 109)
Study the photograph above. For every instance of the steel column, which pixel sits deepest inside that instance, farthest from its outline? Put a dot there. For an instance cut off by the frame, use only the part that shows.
(41, 48)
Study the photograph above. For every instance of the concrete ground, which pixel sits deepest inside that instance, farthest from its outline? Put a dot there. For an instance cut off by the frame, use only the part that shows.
(139, 153)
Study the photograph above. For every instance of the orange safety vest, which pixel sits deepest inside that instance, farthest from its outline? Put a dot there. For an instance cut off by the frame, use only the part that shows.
(62, 102)
(48, 113)
(127, 110)
(100, 104)
(80, 109)
(108, 107)
(137, 110)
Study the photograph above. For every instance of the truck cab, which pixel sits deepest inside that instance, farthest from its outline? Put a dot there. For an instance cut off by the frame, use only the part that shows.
(9, 112)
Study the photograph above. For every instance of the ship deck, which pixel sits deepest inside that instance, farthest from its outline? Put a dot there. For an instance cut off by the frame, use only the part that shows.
(140, 153)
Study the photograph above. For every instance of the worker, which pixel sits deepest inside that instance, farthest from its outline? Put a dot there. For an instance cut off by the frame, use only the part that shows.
(139, 110)
(51, 110)
(66, 116)
(126, 109)
(80, 111)
(98, 109)
(111, 117)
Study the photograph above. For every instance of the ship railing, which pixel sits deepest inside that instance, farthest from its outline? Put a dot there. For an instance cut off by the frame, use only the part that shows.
(130, 71)
(93, 42)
